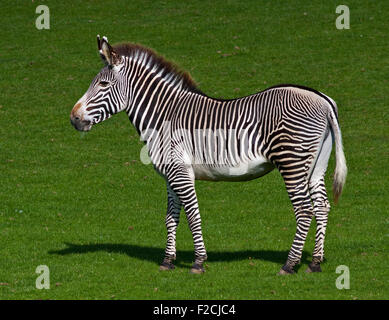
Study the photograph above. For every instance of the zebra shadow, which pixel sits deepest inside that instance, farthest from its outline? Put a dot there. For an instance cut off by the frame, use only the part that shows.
(184, 257)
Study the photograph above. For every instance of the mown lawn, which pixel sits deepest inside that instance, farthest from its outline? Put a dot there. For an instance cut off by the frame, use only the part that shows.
(85, 205)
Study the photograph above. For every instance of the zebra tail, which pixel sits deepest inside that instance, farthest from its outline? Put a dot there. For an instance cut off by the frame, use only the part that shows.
(341, 167)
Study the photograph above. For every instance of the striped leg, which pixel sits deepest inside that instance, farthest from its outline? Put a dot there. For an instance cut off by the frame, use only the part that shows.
(172, 220)
(182, 183)
(321, 207)
(300, 197)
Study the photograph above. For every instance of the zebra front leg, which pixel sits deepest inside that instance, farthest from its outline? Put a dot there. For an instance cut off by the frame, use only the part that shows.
(302, 206)
(194, 221)
(182, 183)
(172, 220)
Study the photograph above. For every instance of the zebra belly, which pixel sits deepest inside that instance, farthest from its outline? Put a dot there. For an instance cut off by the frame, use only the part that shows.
(244, 171)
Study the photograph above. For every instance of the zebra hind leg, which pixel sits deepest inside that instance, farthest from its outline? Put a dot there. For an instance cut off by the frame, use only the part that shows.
(301, 200)
(172, 220)
(321, 205)
(321, 209)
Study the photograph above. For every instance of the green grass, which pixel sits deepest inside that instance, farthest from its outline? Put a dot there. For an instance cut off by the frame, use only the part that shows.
(86, 206)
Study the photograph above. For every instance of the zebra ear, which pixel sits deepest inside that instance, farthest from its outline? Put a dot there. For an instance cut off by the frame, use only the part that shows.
(107, 53)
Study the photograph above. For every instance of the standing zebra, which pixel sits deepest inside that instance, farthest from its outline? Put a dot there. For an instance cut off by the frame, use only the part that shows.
(191, 136)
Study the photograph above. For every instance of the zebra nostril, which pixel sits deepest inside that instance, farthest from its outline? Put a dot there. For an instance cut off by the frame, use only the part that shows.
(77, 118)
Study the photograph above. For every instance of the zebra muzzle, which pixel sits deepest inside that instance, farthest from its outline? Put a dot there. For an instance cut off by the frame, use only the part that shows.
(80, 125)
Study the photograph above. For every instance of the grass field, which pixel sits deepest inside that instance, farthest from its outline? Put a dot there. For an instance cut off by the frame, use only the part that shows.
(85, 206)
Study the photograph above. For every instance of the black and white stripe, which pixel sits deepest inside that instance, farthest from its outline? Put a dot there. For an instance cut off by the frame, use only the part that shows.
(193, 136)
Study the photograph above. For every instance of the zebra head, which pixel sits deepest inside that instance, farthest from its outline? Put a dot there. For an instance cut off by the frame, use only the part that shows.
(106, 95)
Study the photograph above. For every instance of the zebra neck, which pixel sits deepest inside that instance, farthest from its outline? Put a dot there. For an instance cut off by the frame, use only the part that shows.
(155, 103)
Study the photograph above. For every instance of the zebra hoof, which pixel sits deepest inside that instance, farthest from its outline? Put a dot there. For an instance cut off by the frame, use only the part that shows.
(313, 267)
(285, 271)
(282, 272)
(197, 269)
(166, 265)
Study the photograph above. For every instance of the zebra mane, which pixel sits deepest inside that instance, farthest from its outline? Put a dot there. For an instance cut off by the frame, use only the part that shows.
(167, 69)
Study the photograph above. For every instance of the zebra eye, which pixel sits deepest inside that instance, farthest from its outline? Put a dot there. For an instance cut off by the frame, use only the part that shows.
(104, 84)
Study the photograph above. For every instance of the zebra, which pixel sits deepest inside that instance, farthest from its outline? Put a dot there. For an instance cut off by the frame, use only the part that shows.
(192, 136)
